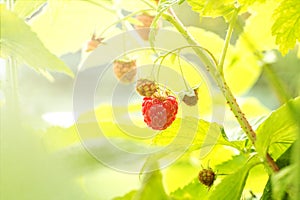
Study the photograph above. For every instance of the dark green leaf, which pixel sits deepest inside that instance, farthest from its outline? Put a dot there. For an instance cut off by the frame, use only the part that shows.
(283, 183)
(282, 161)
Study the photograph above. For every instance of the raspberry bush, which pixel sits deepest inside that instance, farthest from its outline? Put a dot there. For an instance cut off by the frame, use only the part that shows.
(243, 53)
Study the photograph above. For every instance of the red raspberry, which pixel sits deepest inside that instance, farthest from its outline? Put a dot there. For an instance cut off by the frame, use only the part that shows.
(159, 112)
(207, 177)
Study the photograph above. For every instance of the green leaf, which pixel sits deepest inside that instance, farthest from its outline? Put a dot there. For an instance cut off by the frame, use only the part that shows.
(163, 6)
(216, 8)
(194, 190)
(66, 26)
(128, 196)
(194, 134)
(287, 25)
(282, 161)
(241, 68)
(232, 165)
(278, 131)
(152, 187)
(18, 40)
(25, 8)
(260, 19)
(213, 8)
(231, 187)
(284, 182)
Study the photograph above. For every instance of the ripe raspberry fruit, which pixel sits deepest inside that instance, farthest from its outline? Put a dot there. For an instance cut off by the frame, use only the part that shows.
(146, 87)
(159, 112)
(207, 177)
(125, 70)
(93, 43)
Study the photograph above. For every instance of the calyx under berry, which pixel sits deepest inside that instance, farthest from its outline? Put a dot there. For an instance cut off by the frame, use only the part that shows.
(146, 87)
(190, 97)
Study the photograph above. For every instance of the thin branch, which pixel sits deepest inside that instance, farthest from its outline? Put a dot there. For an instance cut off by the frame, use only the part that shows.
(227, 39)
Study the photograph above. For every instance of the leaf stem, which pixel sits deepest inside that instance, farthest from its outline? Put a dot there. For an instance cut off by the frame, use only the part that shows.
(227, 39)
(220, 80)
(181, 71)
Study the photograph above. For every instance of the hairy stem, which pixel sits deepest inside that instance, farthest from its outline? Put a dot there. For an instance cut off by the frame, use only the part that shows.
(220, 80)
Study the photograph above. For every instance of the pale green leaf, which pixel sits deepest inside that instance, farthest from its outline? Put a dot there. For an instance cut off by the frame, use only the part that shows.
(212, 8)
(231, 187)
(163, 6)
(278, 131)
(18, 40)
(152, 187)
(257, 35)
(194, 190)
(241, 66)
(216, 8)
(193, 134)
(66, 26)
(287, 25)
(25, 8)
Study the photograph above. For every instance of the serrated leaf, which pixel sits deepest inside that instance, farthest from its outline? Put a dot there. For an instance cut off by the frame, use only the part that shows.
(193, 134)
(25, 8)
(194, 190)
(287, 25)
(278, 131)
(216, 8)
(18, 40)
(231, 187)
(230, 166)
